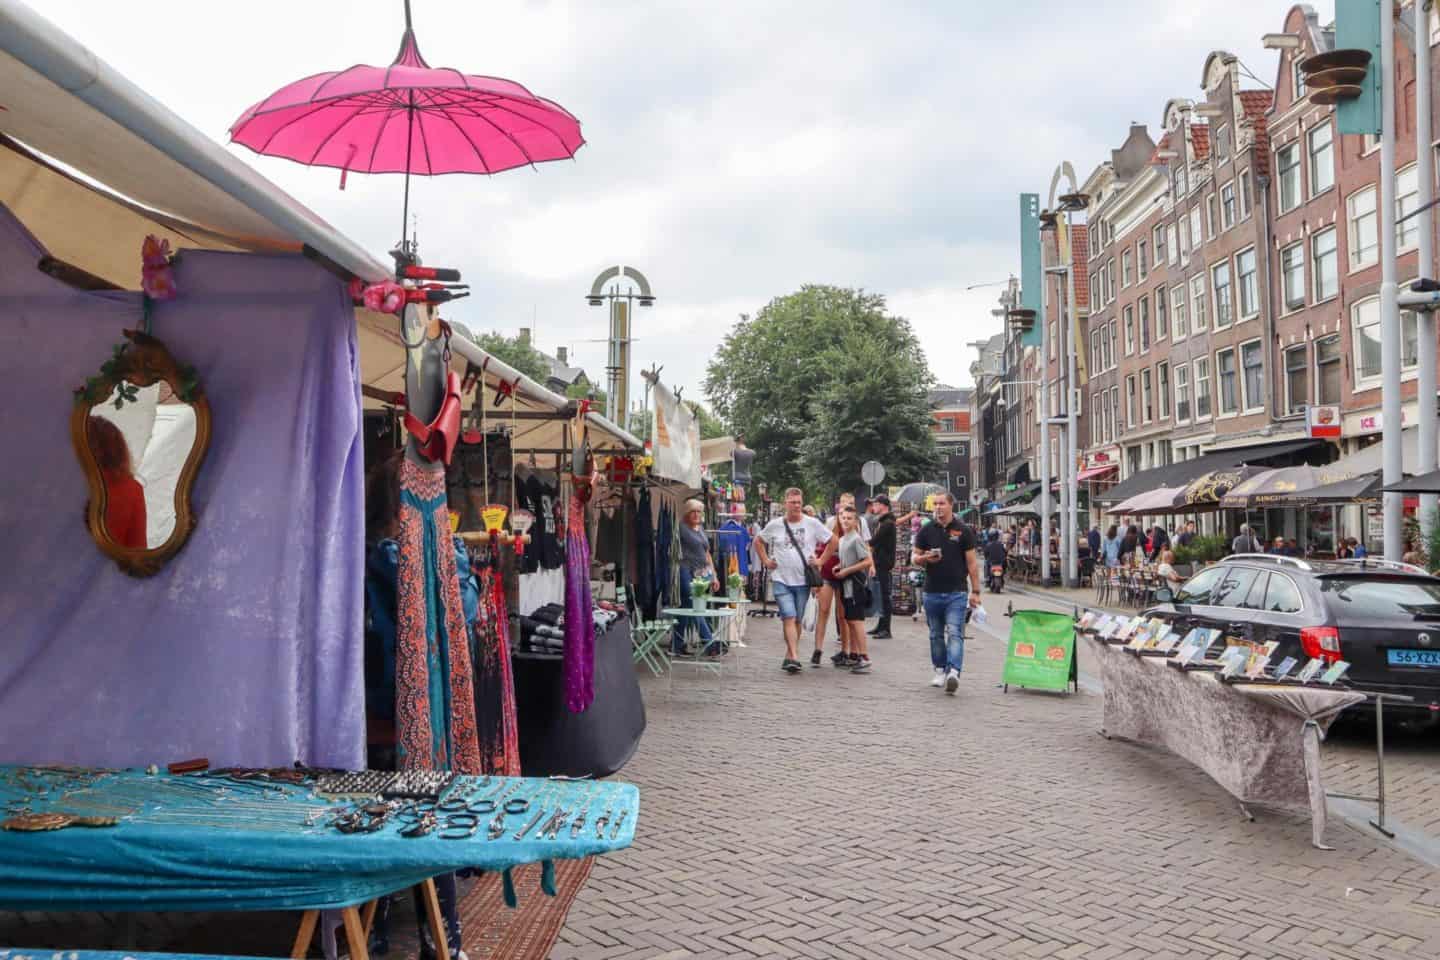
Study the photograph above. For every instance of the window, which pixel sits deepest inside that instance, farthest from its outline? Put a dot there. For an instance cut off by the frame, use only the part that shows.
(1322, 159)
(1114, 413)
(1247, 202)
(1147, 396)
(1297, 76)
(1202, 388)
(1222, 144)
(1177, 299)
(1180, 188)
(1054, 338)
(1094, 286)
(1366, 317)
(1144, 324)
(1182, 393)
(1212, 220)
(1325, 265)
(1142, 259)
(1162, 318)
(1125, 269)
(1233, 587)
(1364, 234)
(1162, 387)
(1292, 276)
(1095, 418)
(1407, 198)
(1287, 176)
(1110, 279)
(1227, 381)
(1297, 377)
(1228, 213)
(1196, 237)
(1172, 243)
(1220, 279)
(1252, 368)
(1129, 330)
(1095, 366)
(1199, 588)
(1245, 275)
(1158, 236)
(1197, 302)
(1184, 229)
(1281, 595)
(1130, 400)
(1327, 370)
(1112, 354)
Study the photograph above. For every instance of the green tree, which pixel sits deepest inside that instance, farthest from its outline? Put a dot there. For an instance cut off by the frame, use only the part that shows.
(821, 380)
(516, 352)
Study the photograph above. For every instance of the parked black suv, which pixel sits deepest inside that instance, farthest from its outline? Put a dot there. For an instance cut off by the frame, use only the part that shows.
(1381, 617)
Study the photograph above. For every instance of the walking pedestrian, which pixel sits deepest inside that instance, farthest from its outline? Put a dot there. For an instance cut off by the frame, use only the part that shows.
(854, 574)
(827, 595)
(786, 547)
(1112, 546)
(947, 551)
(882, 550)
(1094, 538)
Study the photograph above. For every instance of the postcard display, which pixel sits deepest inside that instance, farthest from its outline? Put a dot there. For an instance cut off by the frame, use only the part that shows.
(1262, 720)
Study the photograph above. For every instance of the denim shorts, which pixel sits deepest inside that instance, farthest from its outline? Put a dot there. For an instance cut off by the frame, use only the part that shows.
(791, 600)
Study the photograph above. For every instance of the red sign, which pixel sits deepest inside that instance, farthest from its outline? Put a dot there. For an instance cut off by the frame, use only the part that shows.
(1323, 421)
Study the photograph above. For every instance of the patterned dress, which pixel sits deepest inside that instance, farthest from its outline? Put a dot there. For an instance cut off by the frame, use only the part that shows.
(434, 692)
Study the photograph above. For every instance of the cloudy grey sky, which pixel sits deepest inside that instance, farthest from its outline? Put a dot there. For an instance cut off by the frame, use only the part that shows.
(735, 151)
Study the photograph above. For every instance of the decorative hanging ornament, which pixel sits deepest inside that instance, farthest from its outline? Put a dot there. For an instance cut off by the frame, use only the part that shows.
(157, 277)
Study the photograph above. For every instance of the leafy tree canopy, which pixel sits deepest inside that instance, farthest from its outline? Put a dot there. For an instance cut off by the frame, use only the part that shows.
(516, 352)
(822, 380)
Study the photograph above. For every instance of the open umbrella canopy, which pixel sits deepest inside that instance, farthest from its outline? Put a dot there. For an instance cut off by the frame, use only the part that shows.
(917, 492)
(1424, 483)
(1354, 490)
(1159, 500)
(1206, 490)
(1270, 487)
(408, 118)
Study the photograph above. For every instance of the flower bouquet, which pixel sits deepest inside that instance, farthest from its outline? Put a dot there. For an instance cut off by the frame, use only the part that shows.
(699, 590)
(734, 582)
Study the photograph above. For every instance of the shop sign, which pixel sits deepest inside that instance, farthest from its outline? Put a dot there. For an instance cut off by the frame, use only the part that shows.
(1323, 421)
(1041, 655)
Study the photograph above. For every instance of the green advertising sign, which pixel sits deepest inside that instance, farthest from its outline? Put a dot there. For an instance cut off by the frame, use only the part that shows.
(1042, 651)
(1031, 274)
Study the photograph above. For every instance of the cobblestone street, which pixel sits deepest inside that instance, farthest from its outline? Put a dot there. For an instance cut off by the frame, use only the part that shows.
(832, 815)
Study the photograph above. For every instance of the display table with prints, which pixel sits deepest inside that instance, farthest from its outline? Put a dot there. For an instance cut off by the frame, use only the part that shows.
(1261, 742)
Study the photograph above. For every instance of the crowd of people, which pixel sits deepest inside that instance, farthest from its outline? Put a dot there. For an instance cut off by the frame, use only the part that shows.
(834, 564)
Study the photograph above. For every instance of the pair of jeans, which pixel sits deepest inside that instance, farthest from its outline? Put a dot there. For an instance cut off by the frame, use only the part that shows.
(945, 612)
(702, 626)
(887, 603)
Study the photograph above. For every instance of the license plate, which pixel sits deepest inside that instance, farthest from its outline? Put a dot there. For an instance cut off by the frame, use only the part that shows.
(1413, 658)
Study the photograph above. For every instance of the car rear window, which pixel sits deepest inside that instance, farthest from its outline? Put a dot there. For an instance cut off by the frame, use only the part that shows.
(1355, 598)
(1282, 596)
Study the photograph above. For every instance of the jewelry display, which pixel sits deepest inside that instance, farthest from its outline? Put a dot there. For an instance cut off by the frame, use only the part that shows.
(619, 823)
(526, 829)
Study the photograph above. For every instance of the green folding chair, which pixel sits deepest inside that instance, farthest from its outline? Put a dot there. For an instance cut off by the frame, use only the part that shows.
(648, 637)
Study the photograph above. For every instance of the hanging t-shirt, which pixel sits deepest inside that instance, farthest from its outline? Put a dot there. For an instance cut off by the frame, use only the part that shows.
(528, 495)
(741, 459)
(735, 541)
(552, 546)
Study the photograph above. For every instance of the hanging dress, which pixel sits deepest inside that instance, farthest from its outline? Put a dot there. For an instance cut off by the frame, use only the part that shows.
(579, 662)
(494, 683)
(434, 694)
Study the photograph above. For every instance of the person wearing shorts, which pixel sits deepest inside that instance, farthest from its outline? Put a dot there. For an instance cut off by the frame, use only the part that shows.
(853, 576)
(786, 547)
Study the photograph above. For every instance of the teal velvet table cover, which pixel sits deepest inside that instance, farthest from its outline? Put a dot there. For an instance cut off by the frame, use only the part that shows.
(157, 859)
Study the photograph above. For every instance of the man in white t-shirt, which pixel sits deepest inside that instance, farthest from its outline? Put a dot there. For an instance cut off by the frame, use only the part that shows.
(786, 546)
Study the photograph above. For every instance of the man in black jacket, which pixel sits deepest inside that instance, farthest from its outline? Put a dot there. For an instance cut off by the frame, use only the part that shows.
(882, 549)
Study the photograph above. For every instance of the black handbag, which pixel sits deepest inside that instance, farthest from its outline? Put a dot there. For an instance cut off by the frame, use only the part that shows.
(812, 576)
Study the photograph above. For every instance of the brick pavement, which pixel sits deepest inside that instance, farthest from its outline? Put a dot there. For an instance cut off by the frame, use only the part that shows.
(830, 815)
(1412, 757)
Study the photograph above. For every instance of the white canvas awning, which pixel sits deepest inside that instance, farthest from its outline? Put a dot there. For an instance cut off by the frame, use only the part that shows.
(64, 102)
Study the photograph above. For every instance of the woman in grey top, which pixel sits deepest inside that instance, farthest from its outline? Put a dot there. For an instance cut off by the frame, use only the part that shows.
(695, 564)
(853, 573)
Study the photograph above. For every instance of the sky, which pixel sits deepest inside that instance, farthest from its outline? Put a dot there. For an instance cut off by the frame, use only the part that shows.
(734, 151)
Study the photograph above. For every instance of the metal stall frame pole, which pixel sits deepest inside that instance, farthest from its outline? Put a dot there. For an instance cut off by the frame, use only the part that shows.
(1389, 306)
(1425, 319)
(1072, 398)
(1044, 434)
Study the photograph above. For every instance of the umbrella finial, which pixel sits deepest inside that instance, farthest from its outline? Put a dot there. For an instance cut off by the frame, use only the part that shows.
(409, 55)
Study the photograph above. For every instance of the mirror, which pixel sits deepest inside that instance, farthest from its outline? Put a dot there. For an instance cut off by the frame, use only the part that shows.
(140, 430)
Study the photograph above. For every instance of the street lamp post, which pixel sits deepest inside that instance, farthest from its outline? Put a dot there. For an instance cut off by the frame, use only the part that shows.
(622, 304)
(1389, 305)
(1069, 350)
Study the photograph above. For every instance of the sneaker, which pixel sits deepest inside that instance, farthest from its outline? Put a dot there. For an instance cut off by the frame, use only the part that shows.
(841, 659)
(952, 680)
(938, 680)
(815, 659)
(882, 635)
(790, 666)
(861, 665)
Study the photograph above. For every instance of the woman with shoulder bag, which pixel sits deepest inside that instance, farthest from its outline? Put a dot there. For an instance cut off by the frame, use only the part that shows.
(856, 566)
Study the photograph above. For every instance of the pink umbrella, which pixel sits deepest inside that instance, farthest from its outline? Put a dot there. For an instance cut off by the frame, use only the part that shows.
(408, 118)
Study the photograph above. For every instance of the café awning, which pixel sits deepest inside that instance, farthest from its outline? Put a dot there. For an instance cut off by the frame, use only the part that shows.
(1185, 471)
(1095, 473)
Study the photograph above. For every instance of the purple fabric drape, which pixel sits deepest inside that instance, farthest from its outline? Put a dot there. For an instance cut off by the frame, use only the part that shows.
(246, 648)
(579, 662)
